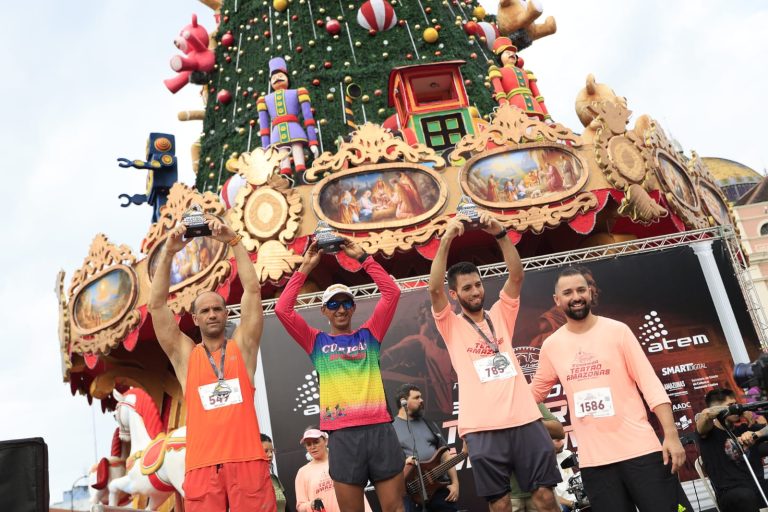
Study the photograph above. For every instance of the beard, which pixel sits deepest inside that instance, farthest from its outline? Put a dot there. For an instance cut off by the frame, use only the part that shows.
(469, 307)
(580, 314)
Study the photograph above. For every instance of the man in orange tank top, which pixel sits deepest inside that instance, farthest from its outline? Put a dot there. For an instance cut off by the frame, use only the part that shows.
(226, 467)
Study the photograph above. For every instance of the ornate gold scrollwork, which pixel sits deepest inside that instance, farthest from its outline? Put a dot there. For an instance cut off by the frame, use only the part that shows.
(98, 322)
(371, 144)
(180, 199)
(625, 159)
(678, 184)
(537, 218)
(208, 277)
(65, 328)
(259, 165)
(510, 126)
(713, 200)
(270, 212)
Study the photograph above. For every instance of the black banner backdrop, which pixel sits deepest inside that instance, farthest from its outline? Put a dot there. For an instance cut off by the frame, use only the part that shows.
(662, 296)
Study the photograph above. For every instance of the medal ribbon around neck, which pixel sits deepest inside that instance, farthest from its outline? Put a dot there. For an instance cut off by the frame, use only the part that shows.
(219, 373)
(491, 344)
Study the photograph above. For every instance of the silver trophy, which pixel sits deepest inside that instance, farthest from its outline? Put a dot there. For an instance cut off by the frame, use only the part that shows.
(194, 220)
(468, 209)
(327, 239)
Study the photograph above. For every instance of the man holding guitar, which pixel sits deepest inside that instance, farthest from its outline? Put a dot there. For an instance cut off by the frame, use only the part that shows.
(422, 443)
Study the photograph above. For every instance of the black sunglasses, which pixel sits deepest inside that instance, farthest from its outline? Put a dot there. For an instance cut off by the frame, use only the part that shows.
(333, 305)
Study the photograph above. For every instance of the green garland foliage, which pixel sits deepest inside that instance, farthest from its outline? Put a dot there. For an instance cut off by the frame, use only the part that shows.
(261, 33)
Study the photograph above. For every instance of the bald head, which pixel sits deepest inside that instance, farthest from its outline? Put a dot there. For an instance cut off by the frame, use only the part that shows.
(207, 295)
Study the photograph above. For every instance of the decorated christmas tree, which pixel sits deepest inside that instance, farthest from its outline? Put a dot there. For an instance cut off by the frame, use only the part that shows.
(342, 53)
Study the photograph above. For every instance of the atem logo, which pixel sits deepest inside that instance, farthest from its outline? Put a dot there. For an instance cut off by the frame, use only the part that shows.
(680, 407)
(688, 341)
(653, 336)
(682, 368)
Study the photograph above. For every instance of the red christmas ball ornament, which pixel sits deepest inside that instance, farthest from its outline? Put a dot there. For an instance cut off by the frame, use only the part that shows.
(376, 14)
(294, 17)
(315, 82)
(228, 59)
(409, 56)
(245, 94)
(470, 28)
(212, 165)
(225, 19)
(267, 33)
(319, 23)
(372, 32)
(228, 39)
(255, 95)
(378, 92)
(333, 27)
(252, 122)
(428, 10)
(438, 27)
(215, 108)
(473, 55)
(401, 23)
(299, 49)
(224, 97)
(438, 53)
(327, 64)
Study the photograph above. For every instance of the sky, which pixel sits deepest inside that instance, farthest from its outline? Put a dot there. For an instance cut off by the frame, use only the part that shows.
(83, 84)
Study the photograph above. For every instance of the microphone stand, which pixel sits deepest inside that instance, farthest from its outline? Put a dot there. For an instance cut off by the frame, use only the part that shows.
(733, 437)
(422, 487)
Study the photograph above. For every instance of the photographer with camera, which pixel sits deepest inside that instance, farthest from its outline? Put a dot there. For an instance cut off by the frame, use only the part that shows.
(729, 435)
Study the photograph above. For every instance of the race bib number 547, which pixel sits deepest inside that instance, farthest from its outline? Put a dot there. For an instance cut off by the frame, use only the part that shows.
(220, 394)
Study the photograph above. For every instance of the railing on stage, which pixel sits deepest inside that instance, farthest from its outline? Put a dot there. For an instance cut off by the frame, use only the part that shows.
(725, 233)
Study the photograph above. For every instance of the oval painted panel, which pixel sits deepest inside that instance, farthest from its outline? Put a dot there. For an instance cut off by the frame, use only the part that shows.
(103, 300)
(714, 205)
(523, 177)
(677, 181)
(381, 198)
(193, 260)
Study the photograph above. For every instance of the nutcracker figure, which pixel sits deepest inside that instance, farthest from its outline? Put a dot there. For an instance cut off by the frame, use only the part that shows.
(514, 85)
(279, 123)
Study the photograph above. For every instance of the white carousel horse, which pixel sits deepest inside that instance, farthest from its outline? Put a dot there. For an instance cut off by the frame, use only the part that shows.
(106, 470)
(155, 466)
(101, 473)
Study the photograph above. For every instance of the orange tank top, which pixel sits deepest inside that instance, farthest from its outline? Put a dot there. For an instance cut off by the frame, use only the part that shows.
(223, 434)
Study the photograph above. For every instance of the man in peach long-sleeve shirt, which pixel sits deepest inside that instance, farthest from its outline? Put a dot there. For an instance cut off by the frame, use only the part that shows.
(601, 365)
(498, 419)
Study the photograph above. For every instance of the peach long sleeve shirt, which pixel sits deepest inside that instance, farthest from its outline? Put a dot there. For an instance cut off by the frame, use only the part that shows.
(606, 357)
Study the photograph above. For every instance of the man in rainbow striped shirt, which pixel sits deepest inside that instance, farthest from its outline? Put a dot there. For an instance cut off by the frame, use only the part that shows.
(363, 444)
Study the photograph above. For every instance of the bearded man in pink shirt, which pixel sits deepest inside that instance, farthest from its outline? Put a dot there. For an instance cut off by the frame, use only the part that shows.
(498, 419)
(601, 365)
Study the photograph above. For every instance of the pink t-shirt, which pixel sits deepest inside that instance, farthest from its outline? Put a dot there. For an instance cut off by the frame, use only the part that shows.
(494, 404)
(607, 356)
(313, 482)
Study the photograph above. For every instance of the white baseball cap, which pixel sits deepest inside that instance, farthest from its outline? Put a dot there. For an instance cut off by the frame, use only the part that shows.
(336, 289)
(313, 433)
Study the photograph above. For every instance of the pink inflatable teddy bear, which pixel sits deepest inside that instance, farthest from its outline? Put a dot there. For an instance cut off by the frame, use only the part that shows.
(193, 41)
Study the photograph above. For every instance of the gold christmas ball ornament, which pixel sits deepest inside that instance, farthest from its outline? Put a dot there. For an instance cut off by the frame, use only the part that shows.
(280, 5)
(479, 12)
(347, 79)
(366, 98)
(430, 35)
(329, 96)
